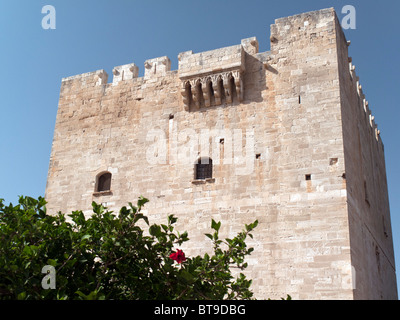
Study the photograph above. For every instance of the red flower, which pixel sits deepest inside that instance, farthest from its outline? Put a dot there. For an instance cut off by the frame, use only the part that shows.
(178, 256)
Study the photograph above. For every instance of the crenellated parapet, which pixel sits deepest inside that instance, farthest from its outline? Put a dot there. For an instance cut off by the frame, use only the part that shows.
(209, 78)
(365, 104)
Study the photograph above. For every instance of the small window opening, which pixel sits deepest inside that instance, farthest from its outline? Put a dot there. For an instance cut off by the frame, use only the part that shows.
(333, 161)
(104, 182)
(299, 99)
(258, 155)
(308, 177)
(222, 141)
(171, 116)
(203, 168)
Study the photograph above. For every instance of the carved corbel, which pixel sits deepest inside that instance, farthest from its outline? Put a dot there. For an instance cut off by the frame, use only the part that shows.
(237, 75)
(196, 91)
(212, 89)
(226, 78)
(217, 88)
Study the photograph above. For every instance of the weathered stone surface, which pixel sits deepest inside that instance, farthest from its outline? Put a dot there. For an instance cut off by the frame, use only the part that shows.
(293, 145)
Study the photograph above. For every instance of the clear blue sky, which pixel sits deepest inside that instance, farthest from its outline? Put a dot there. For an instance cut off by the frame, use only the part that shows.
(100, 34)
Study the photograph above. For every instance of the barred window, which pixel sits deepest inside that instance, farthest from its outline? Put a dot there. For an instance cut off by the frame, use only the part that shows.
(203, 168)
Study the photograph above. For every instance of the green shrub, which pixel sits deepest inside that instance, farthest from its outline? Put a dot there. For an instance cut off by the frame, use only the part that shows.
(108, 256)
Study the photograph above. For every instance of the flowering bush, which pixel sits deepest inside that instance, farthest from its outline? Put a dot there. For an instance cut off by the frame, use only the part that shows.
(108, 256)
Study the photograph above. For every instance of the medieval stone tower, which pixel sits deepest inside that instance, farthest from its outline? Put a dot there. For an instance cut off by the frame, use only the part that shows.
(284, 136)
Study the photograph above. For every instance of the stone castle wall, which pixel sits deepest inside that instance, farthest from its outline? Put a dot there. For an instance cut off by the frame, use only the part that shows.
(278, 127)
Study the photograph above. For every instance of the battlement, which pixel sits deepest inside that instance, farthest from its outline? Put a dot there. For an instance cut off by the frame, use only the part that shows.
(125, 72)
(89, 79)
(214, 76)
(157, 67)
(211, 77)
(190, 64)
(209, 62)
(363, 102)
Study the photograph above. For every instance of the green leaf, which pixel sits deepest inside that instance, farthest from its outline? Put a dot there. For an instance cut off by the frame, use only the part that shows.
(155, 230)
(251, 226)
(123, 212)
(188, 277)
(52, 262)
(21, 296)
(137, 217)
(146, 219)
(172, 219)
(27, 250)
(141, 202)
(97, 208)
(134, 209)
(215, 225)
(81, 294)
(85, 237)
(209, 236)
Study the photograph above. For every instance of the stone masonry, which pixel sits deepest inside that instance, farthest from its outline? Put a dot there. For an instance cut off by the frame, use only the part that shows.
(292, 142)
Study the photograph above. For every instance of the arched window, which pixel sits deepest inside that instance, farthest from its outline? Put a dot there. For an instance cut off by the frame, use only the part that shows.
(103, 182)
(203, 168)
